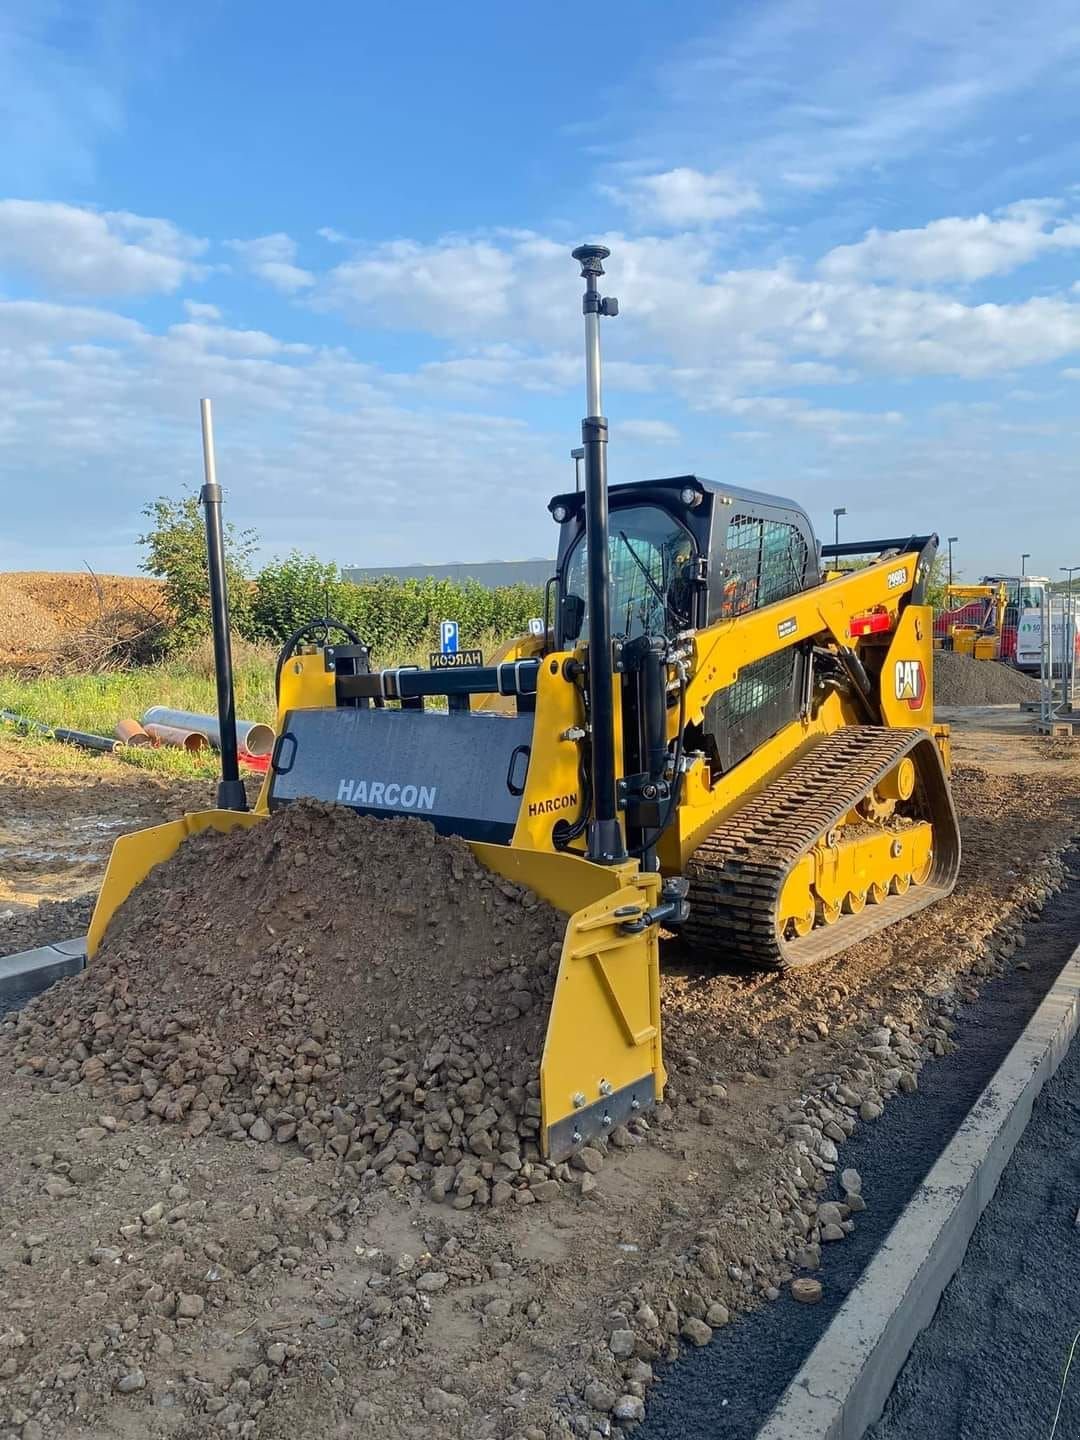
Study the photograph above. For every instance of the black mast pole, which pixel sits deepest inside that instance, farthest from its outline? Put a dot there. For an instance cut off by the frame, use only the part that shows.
(605, 841)
(230, 795)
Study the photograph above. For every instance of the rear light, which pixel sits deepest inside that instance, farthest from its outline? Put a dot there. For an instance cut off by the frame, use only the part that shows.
(870, 622)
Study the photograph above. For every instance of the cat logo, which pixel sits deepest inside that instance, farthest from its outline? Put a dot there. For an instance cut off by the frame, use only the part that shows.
(911, 683)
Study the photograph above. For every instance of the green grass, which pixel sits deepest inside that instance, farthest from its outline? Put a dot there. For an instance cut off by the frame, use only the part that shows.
(95, 703)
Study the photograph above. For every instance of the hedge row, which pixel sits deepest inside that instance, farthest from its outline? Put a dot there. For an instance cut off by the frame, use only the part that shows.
(392, 616)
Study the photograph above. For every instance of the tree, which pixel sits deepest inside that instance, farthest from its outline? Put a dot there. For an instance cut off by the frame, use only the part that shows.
(176, 553)
(937, 582)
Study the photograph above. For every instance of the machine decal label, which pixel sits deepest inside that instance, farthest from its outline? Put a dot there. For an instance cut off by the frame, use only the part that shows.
(787, 627)
(387, 795)
(455, 659)
(553, 803)
(911, 682)
(896, 577)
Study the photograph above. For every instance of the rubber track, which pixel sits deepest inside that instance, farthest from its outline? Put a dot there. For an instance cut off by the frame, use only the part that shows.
(737, 874)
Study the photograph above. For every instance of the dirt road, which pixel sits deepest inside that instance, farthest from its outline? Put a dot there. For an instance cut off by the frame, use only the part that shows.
(164, 1285)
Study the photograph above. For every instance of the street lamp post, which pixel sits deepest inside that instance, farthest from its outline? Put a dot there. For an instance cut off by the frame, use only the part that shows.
(1024, 558)
(1068, 625)
(952, 540)
(840, 510)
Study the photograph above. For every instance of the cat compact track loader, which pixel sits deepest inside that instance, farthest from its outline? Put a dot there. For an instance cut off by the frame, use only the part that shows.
(704, 735)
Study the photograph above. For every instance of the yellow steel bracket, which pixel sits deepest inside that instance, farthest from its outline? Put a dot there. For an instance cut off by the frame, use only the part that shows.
(602, 1059)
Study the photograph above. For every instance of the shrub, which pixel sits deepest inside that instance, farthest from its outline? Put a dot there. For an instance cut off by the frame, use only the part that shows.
(392, 616)
(176, 553)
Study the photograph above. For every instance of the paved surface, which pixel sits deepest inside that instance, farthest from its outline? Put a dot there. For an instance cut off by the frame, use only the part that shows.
(729, 1388)
(989, 1366)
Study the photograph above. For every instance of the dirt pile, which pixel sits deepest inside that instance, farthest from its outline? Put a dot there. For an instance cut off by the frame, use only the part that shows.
(26, 627)
(363, 988)
(48, 617)
(961, 680)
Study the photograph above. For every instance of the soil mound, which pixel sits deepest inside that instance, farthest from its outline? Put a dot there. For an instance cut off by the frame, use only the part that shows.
(42, 613)
(363, 987)
(26, 627)
(962, 680)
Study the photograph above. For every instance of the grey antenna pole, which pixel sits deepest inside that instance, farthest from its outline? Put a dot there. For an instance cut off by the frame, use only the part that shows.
(605, 841)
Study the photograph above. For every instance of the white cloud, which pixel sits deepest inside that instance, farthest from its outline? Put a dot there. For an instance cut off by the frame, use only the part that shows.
(957, 249)
(196, 310)
(272, 258)
(685, 199)
(807, 95)
(75, 251)
(37, 322)
(650, 432)
(453, 286)
(507, 299)
(312, 446)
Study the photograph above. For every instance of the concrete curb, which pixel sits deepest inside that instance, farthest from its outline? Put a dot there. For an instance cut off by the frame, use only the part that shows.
(36, 969)
(844, 1384)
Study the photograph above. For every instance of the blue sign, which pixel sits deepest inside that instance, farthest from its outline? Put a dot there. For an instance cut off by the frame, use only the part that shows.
(448, 637)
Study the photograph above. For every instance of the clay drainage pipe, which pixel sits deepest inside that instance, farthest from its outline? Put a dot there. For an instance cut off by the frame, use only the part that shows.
(175, 736)
(130, 732)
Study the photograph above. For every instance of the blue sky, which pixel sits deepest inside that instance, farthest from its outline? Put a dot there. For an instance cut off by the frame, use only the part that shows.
(845, 241)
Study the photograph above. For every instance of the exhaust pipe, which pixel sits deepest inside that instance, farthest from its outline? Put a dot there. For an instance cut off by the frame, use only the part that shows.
(605, 842)
(230, 794)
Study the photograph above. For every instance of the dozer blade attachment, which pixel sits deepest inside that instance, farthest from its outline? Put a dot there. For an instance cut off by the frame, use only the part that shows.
(601, 1060)
(134, 856)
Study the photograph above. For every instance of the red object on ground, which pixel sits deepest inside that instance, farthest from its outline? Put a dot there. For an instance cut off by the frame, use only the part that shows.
(261, 763)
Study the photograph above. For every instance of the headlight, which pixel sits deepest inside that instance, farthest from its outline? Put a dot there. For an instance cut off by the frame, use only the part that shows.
(689, 496)
(560, 513)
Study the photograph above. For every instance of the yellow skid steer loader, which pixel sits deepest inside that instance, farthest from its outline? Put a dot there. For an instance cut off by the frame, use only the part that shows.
(705, 735)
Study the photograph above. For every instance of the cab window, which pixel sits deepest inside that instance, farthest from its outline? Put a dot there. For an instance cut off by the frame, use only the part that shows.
(652, 559)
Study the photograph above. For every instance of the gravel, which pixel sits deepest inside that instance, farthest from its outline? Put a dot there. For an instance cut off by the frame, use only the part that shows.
(962, 680)
(252, 986)
(46, 924)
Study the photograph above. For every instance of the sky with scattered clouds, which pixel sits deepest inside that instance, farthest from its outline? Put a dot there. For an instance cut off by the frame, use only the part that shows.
(846, 245)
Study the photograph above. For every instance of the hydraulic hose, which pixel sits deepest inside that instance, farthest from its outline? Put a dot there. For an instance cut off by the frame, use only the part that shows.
(325, 625)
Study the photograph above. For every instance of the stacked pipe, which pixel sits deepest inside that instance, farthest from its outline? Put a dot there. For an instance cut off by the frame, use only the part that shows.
(252, 735)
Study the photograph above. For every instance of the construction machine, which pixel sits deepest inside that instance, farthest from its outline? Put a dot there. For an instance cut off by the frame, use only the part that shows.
(703, 736)
(972, 620)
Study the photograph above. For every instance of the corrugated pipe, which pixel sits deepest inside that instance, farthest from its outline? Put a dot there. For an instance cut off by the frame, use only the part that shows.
(252, 736)
(81, 738)
(178, 737)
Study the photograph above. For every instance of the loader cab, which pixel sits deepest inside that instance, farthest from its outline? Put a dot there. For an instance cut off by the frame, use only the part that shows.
(686, 553)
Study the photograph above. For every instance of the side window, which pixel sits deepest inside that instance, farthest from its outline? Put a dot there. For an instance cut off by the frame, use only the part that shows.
(765, 561)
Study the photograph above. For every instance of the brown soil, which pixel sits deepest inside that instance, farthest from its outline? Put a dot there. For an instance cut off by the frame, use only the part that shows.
(57, 825)
(327, 1302)
(41, 610)
(364, 986)
(962, 680)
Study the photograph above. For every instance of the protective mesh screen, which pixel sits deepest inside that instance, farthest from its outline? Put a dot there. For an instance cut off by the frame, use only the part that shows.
(765, 561)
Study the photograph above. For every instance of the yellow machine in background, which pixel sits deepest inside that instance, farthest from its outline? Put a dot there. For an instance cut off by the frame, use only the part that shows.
(973, 620)
(705, 735)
